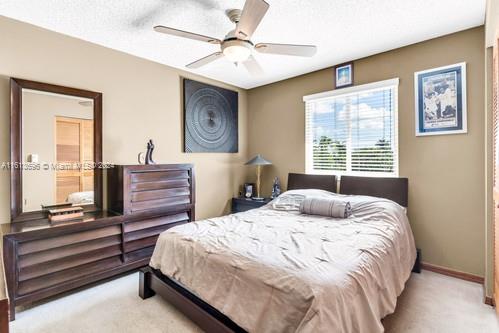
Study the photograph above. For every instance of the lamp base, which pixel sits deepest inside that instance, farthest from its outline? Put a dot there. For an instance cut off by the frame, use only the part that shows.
(258, 199)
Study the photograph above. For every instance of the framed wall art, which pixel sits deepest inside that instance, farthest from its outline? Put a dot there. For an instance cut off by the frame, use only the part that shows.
(343, 75)
(441, 100)
(210, 118)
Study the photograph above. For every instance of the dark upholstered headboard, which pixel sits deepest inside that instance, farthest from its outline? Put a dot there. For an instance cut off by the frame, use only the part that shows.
(395, 189)
(298, 181)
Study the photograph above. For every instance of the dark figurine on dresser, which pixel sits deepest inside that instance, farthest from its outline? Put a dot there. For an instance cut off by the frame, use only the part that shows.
(148, 156)
(150, 149)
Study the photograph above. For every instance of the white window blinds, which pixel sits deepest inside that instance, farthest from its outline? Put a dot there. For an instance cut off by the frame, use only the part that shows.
(353, 131)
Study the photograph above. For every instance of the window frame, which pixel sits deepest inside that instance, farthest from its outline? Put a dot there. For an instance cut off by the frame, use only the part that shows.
(354, 90)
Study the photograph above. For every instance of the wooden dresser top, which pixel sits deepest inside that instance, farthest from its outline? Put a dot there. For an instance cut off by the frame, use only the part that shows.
(44, 224)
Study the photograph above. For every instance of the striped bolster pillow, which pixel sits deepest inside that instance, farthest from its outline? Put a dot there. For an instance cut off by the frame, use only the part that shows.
(326, 207)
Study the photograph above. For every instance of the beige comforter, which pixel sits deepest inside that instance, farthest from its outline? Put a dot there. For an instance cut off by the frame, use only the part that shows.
(279, 271)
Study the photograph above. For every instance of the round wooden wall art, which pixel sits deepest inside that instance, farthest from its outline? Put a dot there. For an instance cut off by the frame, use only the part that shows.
(210, 118)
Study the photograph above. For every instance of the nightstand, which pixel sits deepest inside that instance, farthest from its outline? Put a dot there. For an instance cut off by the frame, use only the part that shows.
(244, 204)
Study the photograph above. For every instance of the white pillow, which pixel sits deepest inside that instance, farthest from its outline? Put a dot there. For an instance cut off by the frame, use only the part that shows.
(288, 201)
(292, 199)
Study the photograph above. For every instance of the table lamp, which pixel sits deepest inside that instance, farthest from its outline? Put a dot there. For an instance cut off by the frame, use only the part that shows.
(258, 160)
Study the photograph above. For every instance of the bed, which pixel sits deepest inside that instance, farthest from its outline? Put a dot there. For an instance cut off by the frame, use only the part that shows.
(81, 198)
(269, 270)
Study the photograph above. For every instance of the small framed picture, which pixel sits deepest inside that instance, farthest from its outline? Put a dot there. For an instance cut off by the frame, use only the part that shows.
(441, 100)
(248, 190)
(344, 75)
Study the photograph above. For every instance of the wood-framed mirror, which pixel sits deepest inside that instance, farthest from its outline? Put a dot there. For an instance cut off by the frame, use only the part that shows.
(56, 148)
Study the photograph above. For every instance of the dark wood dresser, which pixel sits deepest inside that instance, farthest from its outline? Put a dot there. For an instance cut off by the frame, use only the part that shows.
(42, 259)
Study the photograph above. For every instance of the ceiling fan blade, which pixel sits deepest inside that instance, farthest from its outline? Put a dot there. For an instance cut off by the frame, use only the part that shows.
(186, 34)
(253, 67)
(206, 60)
(251, 16)
(287, 49)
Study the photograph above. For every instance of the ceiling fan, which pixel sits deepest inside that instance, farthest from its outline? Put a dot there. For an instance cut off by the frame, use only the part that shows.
(237, 45)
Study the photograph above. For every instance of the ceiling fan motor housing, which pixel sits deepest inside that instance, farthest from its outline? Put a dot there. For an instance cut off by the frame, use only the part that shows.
(234, 15)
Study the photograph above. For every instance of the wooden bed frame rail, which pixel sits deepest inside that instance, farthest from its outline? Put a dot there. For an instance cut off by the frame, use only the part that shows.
(204, 315)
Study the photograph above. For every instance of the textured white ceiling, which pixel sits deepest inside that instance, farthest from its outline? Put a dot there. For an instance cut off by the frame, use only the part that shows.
(343, 30)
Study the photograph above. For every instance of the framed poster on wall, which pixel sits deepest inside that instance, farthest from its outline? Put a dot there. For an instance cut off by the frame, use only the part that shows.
(343, 75)
(441, 100)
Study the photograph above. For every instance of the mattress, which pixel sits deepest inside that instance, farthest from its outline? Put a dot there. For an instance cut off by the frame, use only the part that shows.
(276, 270)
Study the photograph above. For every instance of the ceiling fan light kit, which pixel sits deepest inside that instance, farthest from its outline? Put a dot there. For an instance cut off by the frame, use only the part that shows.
(237, 50)
(237, 46)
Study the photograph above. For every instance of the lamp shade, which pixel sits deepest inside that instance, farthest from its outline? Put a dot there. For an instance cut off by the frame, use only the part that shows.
(258, 160)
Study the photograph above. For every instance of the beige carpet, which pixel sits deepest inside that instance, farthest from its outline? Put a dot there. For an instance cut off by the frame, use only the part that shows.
(430, 303)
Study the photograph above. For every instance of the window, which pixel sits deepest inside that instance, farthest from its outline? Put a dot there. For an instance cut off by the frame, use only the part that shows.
(353, 131)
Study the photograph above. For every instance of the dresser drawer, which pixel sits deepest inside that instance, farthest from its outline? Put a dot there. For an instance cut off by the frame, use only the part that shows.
(57, 265)
(47, 262)
(155, 222)
(160, 185)
(138, 196)
(157, 176)
(68, 251)
(67, 275)
(144, 233)
(60, 241)
(159, 203)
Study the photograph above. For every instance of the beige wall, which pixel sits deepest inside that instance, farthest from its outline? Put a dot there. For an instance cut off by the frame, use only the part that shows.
(446, 173)
(141, 101)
